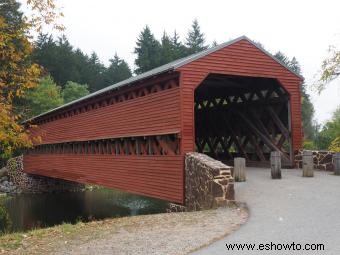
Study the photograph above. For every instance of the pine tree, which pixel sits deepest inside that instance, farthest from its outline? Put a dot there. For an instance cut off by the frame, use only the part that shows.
(179, 50)
(167, 53)
(195, 41)
(147, 50)
(307, 111)
(118, 71)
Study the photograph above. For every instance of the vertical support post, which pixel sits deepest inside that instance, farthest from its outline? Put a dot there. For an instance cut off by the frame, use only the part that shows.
(307, 164)
(336, 163)
(275, 163)
(291, 150)
(239, 169)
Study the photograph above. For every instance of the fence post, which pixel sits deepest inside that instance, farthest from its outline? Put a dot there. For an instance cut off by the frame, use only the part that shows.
(307, 164)
(275, 163)
(239, 169)
(336, 163)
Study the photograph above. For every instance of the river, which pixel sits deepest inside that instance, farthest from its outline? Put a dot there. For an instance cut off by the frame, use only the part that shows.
(30, 211)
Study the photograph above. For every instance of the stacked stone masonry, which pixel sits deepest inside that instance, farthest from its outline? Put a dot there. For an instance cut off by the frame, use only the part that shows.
(323, 160)
(29, 183)
(208, 182)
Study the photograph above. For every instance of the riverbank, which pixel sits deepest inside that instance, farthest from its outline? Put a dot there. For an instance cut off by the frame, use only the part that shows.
(166, 233)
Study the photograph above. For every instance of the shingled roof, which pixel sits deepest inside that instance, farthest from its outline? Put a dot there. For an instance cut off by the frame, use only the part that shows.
(172, 66)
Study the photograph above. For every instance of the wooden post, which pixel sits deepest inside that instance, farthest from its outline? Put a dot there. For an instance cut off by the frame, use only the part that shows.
(240, 169)
(307, 164)
(337, 163)
(275, 163)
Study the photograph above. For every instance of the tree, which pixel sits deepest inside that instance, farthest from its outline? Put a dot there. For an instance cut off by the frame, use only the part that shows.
(18, 74)
(73, 91)
(117, 71)
(64, 63)
(167, 53)
(307, 110)
(329, 134)
(330, 69)
(195, 41)
(46, 96)
(179, 50)
(147, 50)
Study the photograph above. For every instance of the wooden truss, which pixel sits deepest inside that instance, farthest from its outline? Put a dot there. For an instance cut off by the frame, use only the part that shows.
(125, 146)
(248, 124)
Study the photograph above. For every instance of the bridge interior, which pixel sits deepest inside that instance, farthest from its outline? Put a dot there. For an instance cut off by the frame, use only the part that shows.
(238, 116)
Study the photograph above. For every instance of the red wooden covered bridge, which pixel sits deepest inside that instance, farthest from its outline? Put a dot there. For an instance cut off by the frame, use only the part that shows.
(234, 99)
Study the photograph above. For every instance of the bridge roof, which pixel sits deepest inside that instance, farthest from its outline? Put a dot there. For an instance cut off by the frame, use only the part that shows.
(172, 66)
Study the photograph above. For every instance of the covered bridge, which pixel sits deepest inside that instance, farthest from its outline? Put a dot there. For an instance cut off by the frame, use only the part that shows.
(234, 99)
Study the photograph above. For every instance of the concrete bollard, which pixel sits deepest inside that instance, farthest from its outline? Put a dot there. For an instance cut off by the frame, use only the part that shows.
(239, 169)
(275, 164)
(336, 163)
(307, 164)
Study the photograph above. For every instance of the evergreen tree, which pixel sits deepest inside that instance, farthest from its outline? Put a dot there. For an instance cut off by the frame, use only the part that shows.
(147, 50)
(167, 53)
(307, 111)
(179, 50)
(118, 71)
(195, 41)
(94, 73)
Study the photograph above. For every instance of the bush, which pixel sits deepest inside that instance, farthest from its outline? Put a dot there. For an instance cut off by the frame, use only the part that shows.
(335, 145)
(309, 145)
(5, 222)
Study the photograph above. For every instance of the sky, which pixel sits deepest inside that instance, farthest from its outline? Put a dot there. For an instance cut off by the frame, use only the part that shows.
(304, 29)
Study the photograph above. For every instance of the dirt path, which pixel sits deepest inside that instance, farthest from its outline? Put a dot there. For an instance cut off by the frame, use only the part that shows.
(168, 233)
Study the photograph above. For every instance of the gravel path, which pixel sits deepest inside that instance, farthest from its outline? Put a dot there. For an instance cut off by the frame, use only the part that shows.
(169, 233)
(294, 209)
(166, 233)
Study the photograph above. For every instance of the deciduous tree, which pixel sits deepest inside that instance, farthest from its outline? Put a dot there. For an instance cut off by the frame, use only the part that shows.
(73, 91)
(17, 75)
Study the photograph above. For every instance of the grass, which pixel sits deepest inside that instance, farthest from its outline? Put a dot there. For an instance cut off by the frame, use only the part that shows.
(13, 241)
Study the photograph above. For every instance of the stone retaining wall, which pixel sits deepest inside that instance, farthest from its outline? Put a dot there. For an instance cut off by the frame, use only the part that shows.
(28, 183)
(323, 160)
(208, 182)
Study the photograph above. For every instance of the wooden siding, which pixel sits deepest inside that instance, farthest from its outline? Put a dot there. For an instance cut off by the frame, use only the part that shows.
(156, 113)
(243, 59)
(155, 176)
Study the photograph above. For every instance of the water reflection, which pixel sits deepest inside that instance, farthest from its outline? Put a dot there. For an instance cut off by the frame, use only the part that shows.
(28, 211)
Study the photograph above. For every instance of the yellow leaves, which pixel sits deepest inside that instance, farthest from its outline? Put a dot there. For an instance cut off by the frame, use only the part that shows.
(335, 145)
(17, 76)
(44, 12)
(12, 134)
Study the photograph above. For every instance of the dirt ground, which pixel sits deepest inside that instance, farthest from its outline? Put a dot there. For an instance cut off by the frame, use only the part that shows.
(167, 233)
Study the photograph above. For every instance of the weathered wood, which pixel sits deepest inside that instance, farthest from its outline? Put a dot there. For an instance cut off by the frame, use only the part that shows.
(240, 169)
(265, 139)
(278, 122)
(307, 164)
(275, 163)
(337, 163)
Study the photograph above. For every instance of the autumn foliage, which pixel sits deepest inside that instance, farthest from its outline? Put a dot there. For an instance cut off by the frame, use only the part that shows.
(17, 76)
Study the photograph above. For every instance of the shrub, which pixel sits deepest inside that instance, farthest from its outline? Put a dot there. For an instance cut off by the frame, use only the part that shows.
(309, 145)
(335, 145)
(5, 222)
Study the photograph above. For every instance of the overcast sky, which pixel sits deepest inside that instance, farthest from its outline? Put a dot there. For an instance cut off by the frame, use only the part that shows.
(303, 29)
